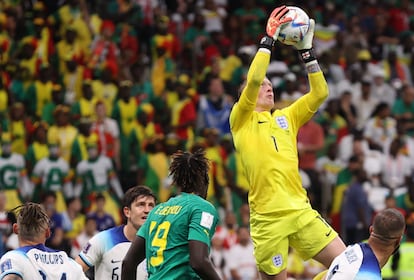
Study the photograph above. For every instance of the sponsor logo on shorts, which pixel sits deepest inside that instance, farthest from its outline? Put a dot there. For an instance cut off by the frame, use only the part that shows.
(277, 260)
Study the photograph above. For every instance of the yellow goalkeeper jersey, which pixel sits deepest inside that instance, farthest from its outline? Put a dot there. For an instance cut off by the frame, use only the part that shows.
(267, 142)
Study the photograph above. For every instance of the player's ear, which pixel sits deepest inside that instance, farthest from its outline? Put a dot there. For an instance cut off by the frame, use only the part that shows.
(16, 228)
(371, 229)
(126, 211)
(47, 233)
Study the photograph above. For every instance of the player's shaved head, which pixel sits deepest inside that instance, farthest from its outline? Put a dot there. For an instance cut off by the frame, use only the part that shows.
(388, 224)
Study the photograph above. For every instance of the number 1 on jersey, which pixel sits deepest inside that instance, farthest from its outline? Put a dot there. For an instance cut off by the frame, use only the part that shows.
(159, 240)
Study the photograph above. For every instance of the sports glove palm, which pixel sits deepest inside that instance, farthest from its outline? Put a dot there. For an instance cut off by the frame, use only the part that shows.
(276, 20)
(306, 42)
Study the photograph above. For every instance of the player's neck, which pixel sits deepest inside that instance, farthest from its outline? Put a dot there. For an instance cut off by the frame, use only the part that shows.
(130, 232)
(381, 253)
(24, 243)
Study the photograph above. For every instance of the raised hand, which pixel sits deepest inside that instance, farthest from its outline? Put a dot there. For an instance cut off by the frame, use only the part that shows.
(276, 20)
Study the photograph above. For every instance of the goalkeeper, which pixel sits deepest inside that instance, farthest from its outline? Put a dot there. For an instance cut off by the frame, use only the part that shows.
(281, 215)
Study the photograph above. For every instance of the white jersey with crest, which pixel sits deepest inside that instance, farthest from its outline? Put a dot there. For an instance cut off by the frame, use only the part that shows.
(39, 262)
(106, 250)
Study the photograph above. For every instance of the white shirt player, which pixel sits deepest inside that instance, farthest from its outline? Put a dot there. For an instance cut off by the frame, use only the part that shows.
(106, 250)
(39, 262)
(357, 262)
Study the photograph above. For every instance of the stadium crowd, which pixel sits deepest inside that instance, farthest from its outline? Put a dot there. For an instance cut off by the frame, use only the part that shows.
(96, 95)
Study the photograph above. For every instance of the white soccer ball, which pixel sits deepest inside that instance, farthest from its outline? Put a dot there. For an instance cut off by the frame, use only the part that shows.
(294, 31)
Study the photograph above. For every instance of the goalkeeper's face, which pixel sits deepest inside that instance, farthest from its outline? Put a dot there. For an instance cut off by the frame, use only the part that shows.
(265, 100)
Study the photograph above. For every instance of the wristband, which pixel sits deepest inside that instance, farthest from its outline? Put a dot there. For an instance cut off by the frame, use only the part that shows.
(267, 43)
(307, 55)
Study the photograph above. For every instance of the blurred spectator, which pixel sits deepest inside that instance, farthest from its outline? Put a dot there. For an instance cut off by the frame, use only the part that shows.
(326, 29)
(124, 113)
(356, 211)
(405, 200)
(69, 47)
(88, 231)
(382, 90)
(48, 113)
(84, 108)
(343, 181)
(228, 230)
(153, 168)
(97, 175)
(381, 37)
(347, 110)
(241, 261)
(40, 92)
(214, 108)
(364, 103)
(18, 125)
(73, 219)
(291, 90)
(328, 167)
(251, 16)
(310, 141)
(333, 124)
(52, 174)
(14, 180)
(107, 131)
(105, 89)
(183, 111)
(38, 148)
(396, 166)
(78, 150)
(213, 15)
(102, 219)
(56, 239)
(395, 71)
(73, 79)
(380, 128)
(63, 131)
(403, 108)
(7, 219)
(219, 257)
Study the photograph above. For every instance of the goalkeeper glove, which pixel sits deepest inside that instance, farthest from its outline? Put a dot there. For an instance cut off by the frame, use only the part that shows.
(306, 42)
(276, 20)
(304, 46)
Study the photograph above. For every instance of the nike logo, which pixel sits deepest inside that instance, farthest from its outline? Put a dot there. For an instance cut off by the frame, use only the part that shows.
(328, 233)
(259, 122)
(112, 261)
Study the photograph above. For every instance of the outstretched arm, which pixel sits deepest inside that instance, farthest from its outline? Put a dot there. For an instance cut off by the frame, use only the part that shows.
(257, 70)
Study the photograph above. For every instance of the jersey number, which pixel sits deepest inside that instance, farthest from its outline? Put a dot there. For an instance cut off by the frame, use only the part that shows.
(160, 241)
(63, 277)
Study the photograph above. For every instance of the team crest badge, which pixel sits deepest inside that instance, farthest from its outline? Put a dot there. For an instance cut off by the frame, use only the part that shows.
(277, 260)
(282, 122)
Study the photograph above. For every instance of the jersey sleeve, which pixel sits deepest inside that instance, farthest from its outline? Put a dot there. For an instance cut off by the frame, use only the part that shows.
(306, 106)
(92, 253)
(244, 108)
(346, 266)
(13, 263)
(203, 221)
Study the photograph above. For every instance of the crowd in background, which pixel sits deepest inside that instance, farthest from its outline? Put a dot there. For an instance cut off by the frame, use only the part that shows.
(96, 95)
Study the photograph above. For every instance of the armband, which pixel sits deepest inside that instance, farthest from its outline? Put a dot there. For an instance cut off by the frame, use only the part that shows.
(307, 55)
